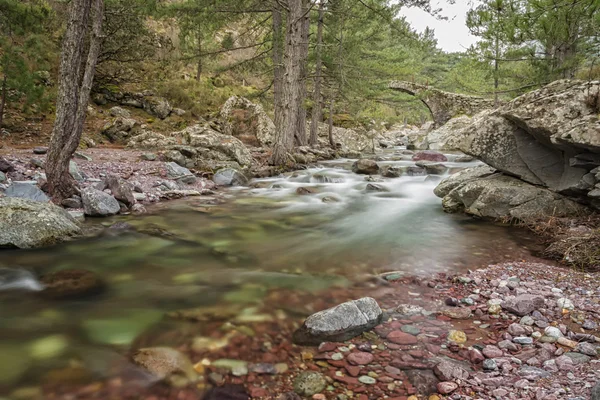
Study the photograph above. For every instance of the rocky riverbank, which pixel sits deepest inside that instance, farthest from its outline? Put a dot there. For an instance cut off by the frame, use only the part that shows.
(509, 331)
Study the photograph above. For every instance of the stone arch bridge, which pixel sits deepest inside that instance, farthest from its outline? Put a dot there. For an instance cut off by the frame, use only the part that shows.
(443, 105)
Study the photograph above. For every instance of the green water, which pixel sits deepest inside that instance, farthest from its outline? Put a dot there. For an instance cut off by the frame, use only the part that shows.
(222, 257)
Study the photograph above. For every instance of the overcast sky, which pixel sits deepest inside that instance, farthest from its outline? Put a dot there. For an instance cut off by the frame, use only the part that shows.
(453, 34)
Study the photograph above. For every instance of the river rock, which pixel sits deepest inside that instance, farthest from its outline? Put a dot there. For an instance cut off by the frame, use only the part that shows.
(429, 155)
(29, 224)
(27, 191)
(309, 383)
(120, 129)
(391, 171)
(460, 178)
(432, 168)
(71, 283)
(523, 304)
(119, 112)
(98, 204)
(447, 387)
(340, 323)
(540, 137)
(424, 381)
(449, 371)
(157, 106)
(508, 198)
(232, 392)
(165, 363)
(365, 167)
(230, 177)
(121, 190)
(177, 172)
(247, 121)
(596, 392)
(6, 166)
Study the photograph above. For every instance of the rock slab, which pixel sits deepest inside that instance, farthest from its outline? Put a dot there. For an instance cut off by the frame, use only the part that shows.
(28, 224)
(340, 323)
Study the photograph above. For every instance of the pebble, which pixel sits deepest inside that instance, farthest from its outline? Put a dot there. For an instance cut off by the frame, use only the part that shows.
(367, 380)
(565, 304)
(553, 332)
(566, 342)
(410, 329)
(446, 387)
(458, 337)
(490, 364)
(402, 338)
(523, 340)
(527, 320)
(337, 356)
(360, 358)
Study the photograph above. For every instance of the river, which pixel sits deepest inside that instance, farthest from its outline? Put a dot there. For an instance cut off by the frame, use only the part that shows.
(227, 253)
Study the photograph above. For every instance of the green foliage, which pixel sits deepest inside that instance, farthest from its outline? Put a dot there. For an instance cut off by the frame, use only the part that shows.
(26, 51)
(127, 42)
(201, 97)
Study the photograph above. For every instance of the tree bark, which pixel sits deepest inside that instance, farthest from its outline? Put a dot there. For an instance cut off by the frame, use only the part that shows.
(278, 70)
(301, 132)
(199, 66)
(73, 93)
(292, 99)
(3, 100)
(331, 107)
(317, 112)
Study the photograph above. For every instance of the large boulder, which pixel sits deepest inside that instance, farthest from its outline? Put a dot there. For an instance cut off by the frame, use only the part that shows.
(96, 203)
(365, 167)
(157, 106)
(121, 190)
(445, 137)
(548, 137)
(498, 196)
(28, 224)
(151, 140)
(204, 137)
(230, 177)
(26, 190)
(347, 141)
(340, 323)
(120, 129)
(247, 121)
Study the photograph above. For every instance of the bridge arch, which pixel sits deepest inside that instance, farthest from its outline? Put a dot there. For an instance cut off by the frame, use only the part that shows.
(443, 105)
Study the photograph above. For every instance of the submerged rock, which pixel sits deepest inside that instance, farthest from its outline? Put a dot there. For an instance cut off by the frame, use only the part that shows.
(340, 323)
(365, 167)
(230, 177)
(71, 283)
(309, 383)
(168, 364)
(28, 224)
(429, 155)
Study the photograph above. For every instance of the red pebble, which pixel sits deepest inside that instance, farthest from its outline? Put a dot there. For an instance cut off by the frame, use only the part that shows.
(360, 358)
(402, 338)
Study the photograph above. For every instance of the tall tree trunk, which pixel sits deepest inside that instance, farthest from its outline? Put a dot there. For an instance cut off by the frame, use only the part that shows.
(331, 141)
(199, 66)
(317, 112)
(3, 100)
(73, 93)
(496, 71)
(292, 100)
(301, 132)
(278, 65)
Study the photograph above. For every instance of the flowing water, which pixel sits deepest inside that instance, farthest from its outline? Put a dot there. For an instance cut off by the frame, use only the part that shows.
(225, 256)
